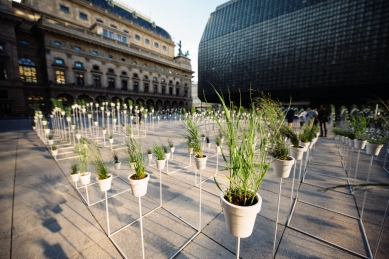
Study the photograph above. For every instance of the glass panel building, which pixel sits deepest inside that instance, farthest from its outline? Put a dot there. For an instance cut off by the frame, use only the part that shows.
(313, 50)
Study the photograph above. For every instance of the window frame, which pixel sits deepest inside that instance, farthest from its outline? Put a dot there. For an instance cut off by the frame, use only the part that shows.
(83, 16)
(58, 75)
(64, 8)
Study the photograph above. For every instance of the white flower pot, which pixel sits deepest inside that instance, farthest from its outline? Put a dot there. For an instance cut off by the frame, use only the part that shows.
(44, 123)
(314, 140)
(47, 131)
(139, 187)
(150, 157)
(105, 184)
(167, 155)
(85, 179)
(117, 165)
(200, 162)
(190, 150)
(68, 119)
(33, 127)
(373, 149)
(160, 164)
(78, 136)
(95, 123)
(208, 145)
(51, 142)
(218, 150)
(73, 127)
(172, 149)
(111, 140)
(297, 152)
(104, 132)
(54, 152)
(359, 144)
(350, 142)
(282, 167)
(89, 116)
(305, 145)
(240, 220)
(75, 177)
(114, 121)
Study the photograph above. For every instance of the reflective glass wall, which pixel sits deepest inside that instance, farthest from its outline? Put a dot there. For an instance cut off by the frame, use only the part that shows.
(312, 50)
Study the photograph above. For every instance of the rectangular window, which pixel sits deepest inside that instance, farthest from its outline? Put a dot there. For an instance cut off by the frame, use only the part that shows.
(83, 16)
(177, 91)
(146, 86)
(124, 84)
(110, 34)
(58, 61)
(1, 48)
(60, 77)
(80, 79)
(99, 20)
(164, 48)
(124, 39)
(118, 37)
(105, 33)
(147, 41)
(114, 26)
(111, 83)
(155, 87)
(125, 31)
(136, 87)
(171, 90)
(64, 8)
(96, 81)
(156, 44)
(137, 37)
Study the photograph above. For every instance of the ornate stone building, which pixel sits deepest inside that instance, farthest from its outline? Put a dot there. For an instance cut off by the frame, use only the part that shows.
(86, 49)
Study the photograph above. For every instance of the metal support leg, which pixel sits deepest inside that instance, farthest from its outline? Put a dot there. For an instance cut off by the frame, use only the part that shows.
(141, 227)
(237, 247)
(278, 210)
(106, 205)
(368, 178)
(382, 227)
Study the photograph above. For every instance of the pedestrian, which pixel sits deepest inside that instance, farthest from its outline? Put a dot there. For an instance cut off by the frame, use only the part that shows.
(303, 117)
(290, 116)
(311, 115)
(323, 117)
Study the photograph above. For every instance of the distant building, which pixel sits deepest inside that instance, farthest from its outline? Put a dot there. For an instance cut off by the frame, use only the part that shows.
(95, 50)
(312, 50)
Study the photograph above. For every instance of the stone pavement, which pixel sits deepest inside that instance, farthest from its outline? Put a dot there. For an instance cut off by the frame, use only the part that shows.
(44, 216)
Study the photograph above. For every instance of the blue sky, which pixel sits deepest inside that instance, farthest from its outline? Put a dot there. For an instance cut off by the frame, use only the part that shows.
(185, 20)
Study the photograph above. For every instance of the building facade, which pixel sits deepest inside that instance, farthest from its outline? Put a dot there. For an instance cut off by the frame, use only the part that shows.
(95, 50)
(311, 50)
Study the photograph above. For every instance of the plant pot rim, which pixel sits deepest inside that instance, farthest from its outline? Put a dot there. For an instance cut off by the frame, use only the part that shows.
(297, 147)
(259, 200)
(110, 176)
(285, 160)
(129, 177)
(204, 156)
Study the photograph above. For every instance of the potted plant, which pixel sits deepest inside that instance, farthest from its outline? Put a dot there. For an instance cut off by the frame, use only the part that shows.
(51, 141)
(75, 174)
(89, 114)
(44, 121)
(33, 125)
(111, 138)
(193, 138)
(95, 122)
(171, 145)
(282, 163)
(46, 129)
(54, 150)
(104, 131)
(374, 143)
(167, 153)
(359, 124)
(208, 141)
(306, 136)
(117, 164)
(159, 153)
(296, 150)
(218, 142)
(139, 180)
(103, 178)
(82, 155)
(149, 155)
(246, 169)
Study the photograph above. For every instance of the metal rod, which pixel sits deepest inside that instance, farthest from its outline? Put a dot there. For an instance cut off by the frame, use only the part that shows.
(106, 205)
(382, 227)
(299, 183)
(278, 210)
(365, 238)
(291, 192)
(324, 208)
(141, 227)
(237, 247)
(367, 181)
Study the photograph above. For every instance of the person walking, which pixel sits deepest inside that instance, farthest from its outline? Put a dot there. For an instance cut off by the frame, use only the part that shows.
(323, 116)
(290, 116)
(311, 115)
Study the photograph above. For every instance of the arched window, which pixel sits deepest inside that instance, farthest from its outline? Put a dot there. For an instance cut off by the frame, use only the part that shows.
(60, 77)
(27, 70)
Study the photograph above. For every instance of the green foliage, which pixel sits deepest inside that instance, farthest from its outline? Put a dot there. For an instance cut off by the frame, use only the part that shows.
(110, 136)
(159, 152)
(50, 137)
(149, 151)
(359, 124)
(290, 134)
(193, 110)
(246, 167)
(130, 102)
(193, 138)
(54, 147)
(74, 168)
(207, 139)
(218, 141)
(115, 158)
(135, 155)
(308, 133)
(280, 150)
(95, 158)
(170, 142)
(82, 155)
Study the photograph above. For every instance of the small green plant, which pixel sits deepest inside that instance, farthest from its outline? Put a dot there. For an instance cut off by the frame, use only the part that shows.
(134, 151)
(307, 134)
(218, 141)
(54, 147)
(50, 137)
(94, 120)
(74, 168)
(290, 134)
(110, 136)
(170, 143)
(193, 138)
(115, 158)
(82, 155)
(97, 161)
(149, 151)
(280, 150)
(159, 151)
(46, 127)
(44, 118)
(207, 140)
(165, 149)
(129, 102)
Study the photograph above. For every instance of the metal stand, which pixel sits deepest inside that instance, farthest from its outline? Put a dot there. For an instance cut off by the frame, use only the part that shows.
(382, 227)
(278, 211)
(367, 181)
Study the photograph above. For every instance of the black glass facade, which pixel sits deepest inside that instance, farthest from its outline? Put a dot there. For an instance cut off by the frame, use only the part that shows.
(313, 50)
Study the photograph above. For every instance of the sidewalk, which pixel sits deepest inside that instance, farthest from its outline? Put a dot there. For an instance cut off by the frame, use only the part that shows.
(43, 216)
